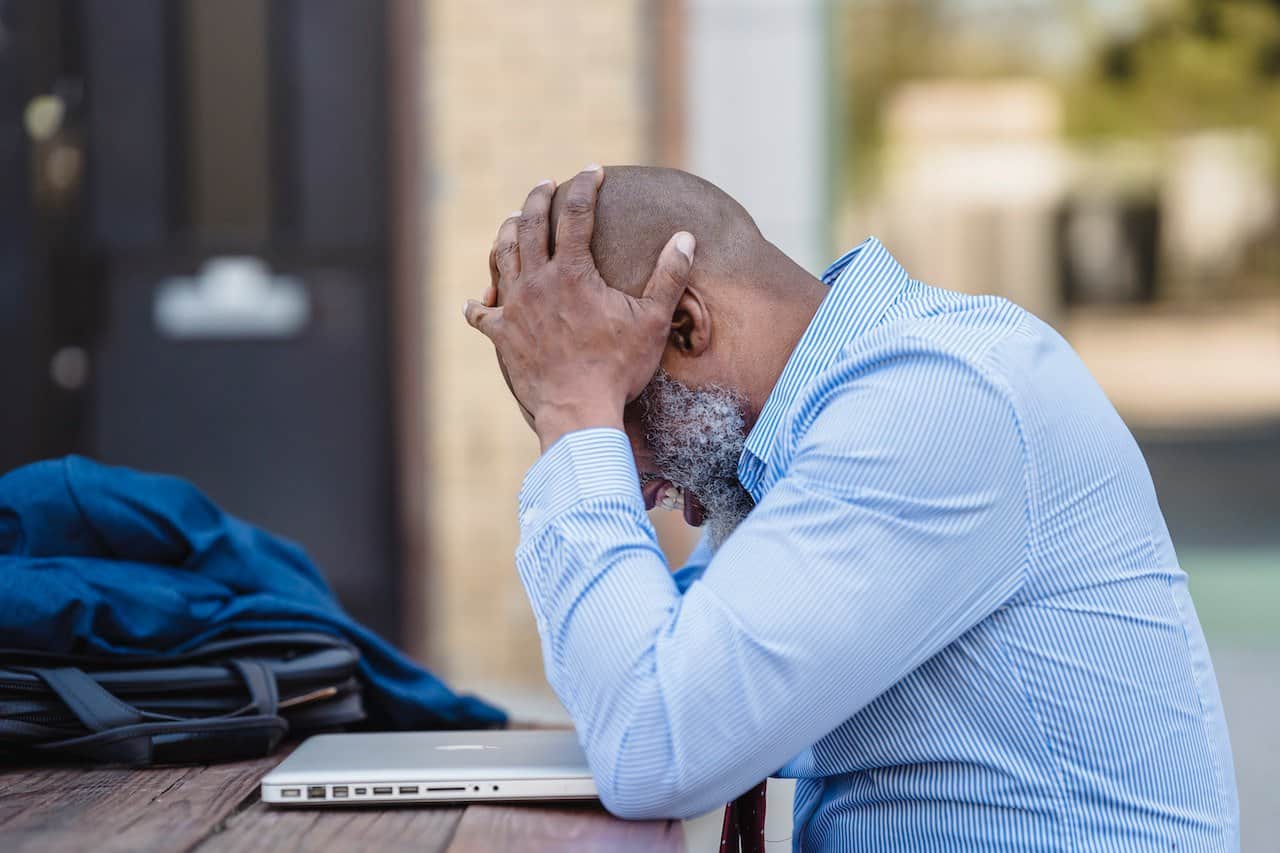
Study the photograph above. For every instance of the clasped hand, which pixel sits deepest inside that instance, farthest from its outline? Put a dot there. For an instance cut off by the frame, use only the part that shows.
(574, 350)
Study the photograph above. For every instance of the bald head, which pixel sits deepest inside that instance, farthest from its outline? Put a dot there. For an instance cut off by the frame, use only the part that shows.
(638, 209)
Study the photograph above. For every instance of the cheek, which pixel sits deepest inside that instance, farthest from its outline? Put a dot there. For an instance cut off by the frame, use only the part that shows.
(678, 364)
(698, 371)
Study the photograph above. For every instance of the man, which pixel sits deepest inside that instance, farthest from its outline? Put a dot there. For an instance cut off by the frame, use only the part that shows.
(936, 587)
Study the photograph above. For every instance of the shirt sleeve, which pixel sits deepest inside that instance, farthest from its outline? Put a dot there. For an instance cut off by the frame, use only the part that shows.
(900, 522)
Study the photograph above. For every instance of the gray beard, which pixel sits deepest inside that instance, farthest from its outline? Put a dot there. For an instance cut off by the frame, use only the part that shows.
(696, 438)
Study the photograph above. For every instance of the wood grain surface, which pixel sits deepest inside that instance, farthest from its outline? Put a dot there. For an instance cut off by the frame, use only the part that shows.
(423, 829)
(216, 809)
(486, 828)
(110, 809)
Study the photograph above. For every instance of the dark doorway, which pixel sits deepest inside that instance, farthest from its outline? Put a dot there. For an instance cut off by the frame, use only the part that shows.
(193, 262)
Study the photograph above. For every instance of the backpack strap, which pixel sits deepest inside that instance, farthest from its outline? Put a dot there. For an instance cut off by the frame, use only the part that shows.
(88, 700)
(264, 693)
(99, 711)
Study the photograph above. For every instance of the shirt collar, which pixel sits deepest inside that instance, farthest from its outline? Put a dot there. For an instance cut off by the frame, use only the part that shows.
(864, 283)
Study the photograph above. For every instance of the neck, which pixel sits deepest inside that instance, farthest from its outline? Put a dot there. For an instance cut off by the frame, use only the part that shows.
(795, 298)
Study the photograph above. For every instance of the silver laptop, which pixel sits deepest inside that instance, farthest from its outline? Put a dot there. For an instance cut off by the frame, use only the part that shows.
(431, 767)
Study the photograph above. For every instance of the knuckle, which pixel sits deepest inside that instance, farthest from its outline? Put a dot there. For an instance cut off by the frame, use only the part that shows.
(579, 265)
(504, 249)
(533, 219)
(578, 204)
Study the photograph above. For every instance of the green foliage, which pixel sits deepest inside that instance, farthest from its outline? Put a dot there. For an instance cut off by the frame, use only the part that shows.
(1193, 64)
(1198, 64)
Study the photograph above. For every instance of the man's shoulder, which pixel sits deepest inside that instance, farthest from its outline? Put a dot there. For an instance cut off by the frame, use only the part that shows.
(931, 367)
(917, 338)
(935, 361)
(963, 325)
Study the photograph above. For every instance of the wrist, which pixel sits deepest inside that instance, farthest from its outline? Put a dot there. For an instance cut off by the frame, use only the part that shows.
(553, 422)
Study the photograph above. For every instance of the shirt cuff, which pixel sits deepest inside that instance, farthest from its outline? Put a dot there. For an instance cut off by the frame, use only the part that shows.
(580, 466)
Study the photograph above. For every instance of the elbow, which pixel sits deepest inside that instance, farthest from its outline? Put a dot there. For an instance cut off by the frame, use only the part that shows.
(654, 794)
(618, 804)
(637, 803)
(640, 769)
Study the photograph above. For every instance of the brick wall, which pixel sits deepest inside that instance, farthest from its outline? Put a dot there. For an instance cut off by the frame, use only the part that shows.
(515, 92)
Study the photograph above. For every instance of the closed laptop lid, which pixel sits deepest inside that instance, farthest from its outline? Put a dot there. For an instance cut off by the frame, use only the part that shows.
(418, 756)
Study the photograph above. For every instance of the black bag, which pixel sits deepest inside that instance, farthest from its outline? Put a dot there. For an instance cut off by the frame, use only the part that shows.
(226, 700)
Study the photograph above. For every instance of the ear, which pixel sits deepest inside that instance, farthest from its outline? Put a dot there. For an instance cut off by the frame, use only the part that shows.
(690, 325)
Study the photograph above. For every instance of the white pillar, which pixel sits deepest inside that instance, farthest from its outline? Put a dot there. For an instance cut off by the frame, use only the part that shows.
(757, 118)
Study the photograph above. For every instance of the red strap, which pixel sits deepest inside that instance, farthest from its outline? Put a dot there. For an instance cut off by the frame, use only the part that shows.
(744, 823)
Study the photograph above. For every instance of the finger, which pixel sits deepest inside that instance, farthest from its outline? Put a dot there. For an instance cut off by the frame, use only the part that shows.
(672, 274)
(481, 318)
(490, 298)
(532, 226)
(506, 251)
(493, 264)
(578, 219)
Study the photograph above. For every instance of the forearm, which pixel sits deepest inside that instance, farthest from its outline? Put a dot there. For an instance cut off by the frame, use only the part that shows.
(606, 607)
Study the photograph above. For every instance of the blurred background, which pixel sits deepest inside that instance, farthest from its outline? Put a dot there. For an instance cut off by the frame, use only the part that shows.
(235, 237)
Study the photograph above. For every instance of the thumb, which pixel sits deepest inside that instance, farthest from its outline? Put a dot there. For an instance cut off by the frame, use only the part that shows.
(481, 317)
(672, 274)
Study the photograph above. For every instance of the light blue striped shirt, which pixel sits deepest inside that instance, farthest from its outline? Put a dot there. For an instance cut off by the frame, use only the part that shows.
(954, 616)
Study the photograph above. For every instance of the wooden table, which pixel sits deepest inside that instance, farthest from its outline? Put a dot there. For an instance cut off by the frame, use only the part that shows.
(216, 808)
